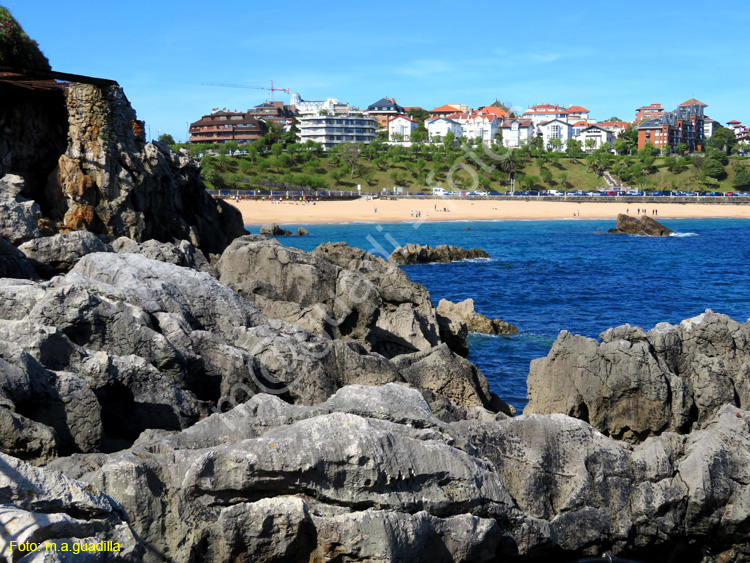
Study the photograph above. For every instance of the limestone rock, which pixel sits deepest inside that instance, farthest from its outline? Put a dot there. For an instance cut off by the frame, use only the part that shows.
(463, 312)
(44, 507)
(183, 254)
(336, 291)
(301, 232)
(424, 254)
(59, 253)
(373, 475)
(645, 227)
(636, 384)
(14, 264)
(18, 216)
(273, 230)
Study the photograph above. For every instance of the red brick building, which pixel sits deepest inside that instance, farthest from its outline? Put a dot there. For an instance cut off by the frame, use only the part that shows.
(683, 125)
(648, 112)
(223, 126)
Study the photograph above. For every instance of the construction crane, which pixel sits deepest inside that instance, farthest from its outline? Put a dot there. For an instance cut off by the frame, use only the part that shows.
(272, 88)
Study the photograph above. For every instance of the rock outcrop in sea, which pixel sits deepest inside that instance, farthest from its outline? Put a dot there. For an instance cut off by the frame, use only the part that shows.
(646, 226)
(424, 254)
(636, 384)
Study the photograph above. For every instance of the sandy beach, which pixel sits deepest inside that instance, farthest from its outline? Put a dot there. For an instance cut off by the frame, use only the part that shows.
(389, 211)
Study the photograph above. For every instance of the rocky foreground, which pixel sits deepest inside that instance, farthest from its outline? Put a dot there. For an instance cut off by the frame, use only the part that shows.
(175, 416)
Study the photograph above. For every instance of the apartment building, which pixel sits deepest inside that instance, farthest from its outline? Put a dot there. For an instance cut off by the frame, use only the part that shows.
(331, 130)
(683, 125)
(651, 111)
(384, 110)
(221, 126)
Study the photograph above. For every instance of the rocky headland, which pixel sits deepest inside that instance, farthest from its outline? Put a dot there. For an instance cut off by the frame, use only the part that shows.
(279, 405)
(425, 254)
(645, 226)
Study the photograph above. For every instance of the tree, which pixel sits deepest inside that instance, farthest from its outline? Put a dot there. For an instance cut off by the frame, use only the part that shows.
(232, 147)
(590, 144)
(741, 180)
(666, 150)
(419, 114)
(449, 139)
(336, 174)
(166, 138)
(555, 144)
(681, 148)
(713, 168)
(349, 155)
(723, 139)
(573, 147)
(419, 134)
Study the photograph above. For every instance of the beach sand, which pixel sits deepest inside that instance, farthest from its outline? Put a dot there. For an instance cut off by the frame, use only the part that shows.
(389, 211)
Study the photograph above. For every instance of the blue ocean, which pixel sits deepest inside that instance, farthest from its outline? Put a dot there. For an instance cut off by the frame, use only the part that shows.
(546, 276)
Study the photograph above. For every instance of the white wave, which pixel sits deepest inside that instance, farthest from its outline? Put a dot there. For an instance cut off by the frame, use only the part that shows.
(684, 235)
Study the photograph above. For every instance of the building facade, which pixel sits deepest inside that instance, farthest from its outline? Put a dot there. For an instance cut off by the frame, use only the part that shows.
(332, 130)
(313, 107)
(595, 137)
(477, 126)
(555, 129)
(546, 112)
(684, 125)
(401, 127)
(439, 127)
(651, 111)
(221, 126)
(277, 112)
(516, 132)
(578, 113)
(446, 110)
(384, 110)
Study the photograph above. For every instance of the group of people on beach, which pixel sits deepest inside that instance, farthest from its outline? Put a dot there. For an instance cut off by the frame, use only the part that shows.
(644, 211)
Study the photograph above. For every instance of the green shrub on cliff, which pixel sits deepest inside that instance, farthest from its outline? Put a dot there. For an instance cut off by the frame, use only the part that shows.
(17, 49)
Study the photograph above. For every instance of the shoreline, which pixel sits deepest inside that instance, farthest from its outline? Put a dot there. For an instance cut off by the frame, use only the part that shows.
(400, 211)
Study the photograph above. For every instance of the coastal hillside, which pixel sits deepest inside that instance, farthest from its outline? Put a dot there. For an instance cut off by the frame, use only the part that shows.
(419, 168)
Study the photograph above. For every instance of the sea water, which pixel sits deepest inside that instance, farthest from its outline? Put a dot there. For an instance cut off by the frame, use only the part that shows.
(546, 276)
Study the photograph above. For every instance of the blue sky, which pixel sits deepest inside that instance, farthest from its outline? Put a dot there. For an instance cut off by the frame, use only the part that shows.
(608, 57)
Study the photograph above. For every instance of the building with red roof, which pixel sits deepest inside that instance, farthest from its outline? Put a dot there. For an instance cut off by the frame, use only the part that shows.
(446, 110)
(578, 113)
(651, 111)
(545, 112)
(684, 125)
(221, 126)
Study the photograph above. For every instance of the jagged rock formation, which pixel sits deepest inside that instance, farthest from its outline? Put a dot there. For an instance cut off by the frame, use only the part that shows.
(123, 343)
(18, 216)
(636, 384)
(373, 475)
(301, 232)
(337, 291)
(424, 254)
(46, 508)
(273, 230)
(87, 170)
(59, 253)
(645, 227)
(464, 313)
(183, 254)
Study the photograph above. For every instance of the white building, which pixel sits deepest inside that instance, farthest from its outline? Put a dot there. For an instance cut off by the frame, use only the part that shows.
(332, 130)
(555, 129)
(401, 127)
(517, 132)
(600, 136)
(309, 107)
(709, 126)
(474, 125)
(439, 127)
(545, 112)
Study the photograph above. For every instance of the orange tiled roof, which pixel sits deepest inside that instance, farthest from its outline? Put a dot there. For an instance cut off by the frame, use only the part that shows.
(580, 124)
(498, 112)
(733, 121)
(444, 109)
(693, 102)
(578, 109)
